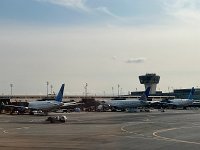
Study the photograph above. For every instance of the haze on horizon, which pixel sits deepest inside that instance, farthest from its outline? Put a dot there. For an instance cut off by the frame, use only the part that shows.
(102, 43)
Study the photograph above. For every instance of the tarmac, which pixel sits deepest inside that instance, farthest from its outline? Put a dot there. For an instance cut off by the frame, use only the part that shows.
(155, 130)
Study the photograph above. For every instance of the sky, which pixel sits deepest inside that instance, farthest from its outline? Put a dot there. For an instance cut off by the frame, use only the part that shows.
(104, 43)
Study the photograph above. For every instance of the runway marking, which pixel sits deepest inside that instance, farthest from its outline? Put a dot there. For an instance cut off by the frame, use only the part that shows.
(26, 127)
(156, 135)
(131, 124)
(151, 116)
(5, 131)
(147, 119)
(195, 124)
(140, 137)
(36, 120)
(22, 128)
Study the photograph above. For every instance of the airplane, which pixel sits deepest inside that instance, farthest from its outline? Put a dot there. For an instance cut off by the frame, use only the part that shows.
(175, 103)
(129, 103)
(44, 106)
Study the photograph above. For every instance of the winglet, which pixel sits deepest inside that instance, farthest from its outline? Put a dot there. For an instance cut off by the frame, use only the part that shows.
(60, 94)
(146, 94)
(191, 93)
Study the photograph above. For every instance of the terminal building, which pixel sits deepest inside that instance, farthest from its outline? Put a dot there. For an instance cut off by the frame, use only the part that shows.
(151, 79)
(183, 93)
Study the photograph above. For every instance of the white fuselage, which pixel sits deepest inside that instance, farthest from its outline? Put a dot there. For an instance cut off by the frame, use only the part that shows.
(44, 105)
(130, 103)
(181, 102)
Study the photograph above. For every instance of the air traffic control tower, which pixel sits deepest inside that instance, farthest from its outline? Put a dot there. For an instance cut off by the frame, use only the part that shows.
(150, 80)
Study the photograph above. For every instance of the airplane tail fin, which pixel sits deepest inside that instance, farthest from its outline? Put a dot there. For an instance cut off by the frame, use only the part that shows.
(145, 94)
(60, 94)
(191, 93)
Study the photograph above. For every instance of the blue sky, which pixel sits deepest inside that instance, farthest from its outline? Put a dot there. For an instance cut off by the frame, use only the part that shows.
(101, 42)
(66, 12)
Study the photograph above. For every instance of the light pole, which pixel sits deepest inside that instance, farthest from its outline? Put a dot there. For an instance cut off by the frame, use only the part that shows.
(47, 88)
(86, 85)
(118, 89)
(11, 86)
(113, 91)
(51, 89)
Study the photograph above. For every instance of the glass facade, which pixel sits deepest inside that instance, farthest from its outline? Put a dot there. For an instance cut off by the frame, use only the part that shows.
(149, 78)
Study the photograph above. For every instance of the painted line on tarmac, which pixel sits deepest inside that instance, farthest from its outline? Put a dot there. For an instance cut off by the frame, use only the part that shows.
(20, 128)
(37, 120)
(196, 124)
(157, 136)
(123, 128)
(151, 116)
(146, 120)
(5, 131)
(23, 128)
(140, 137)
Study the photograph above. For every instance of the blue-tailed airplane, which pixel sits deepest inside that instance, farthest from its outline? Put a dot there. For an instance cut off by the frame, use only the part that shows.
(44, 106)
(129, 103)
(48, 105)
(175, 103)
